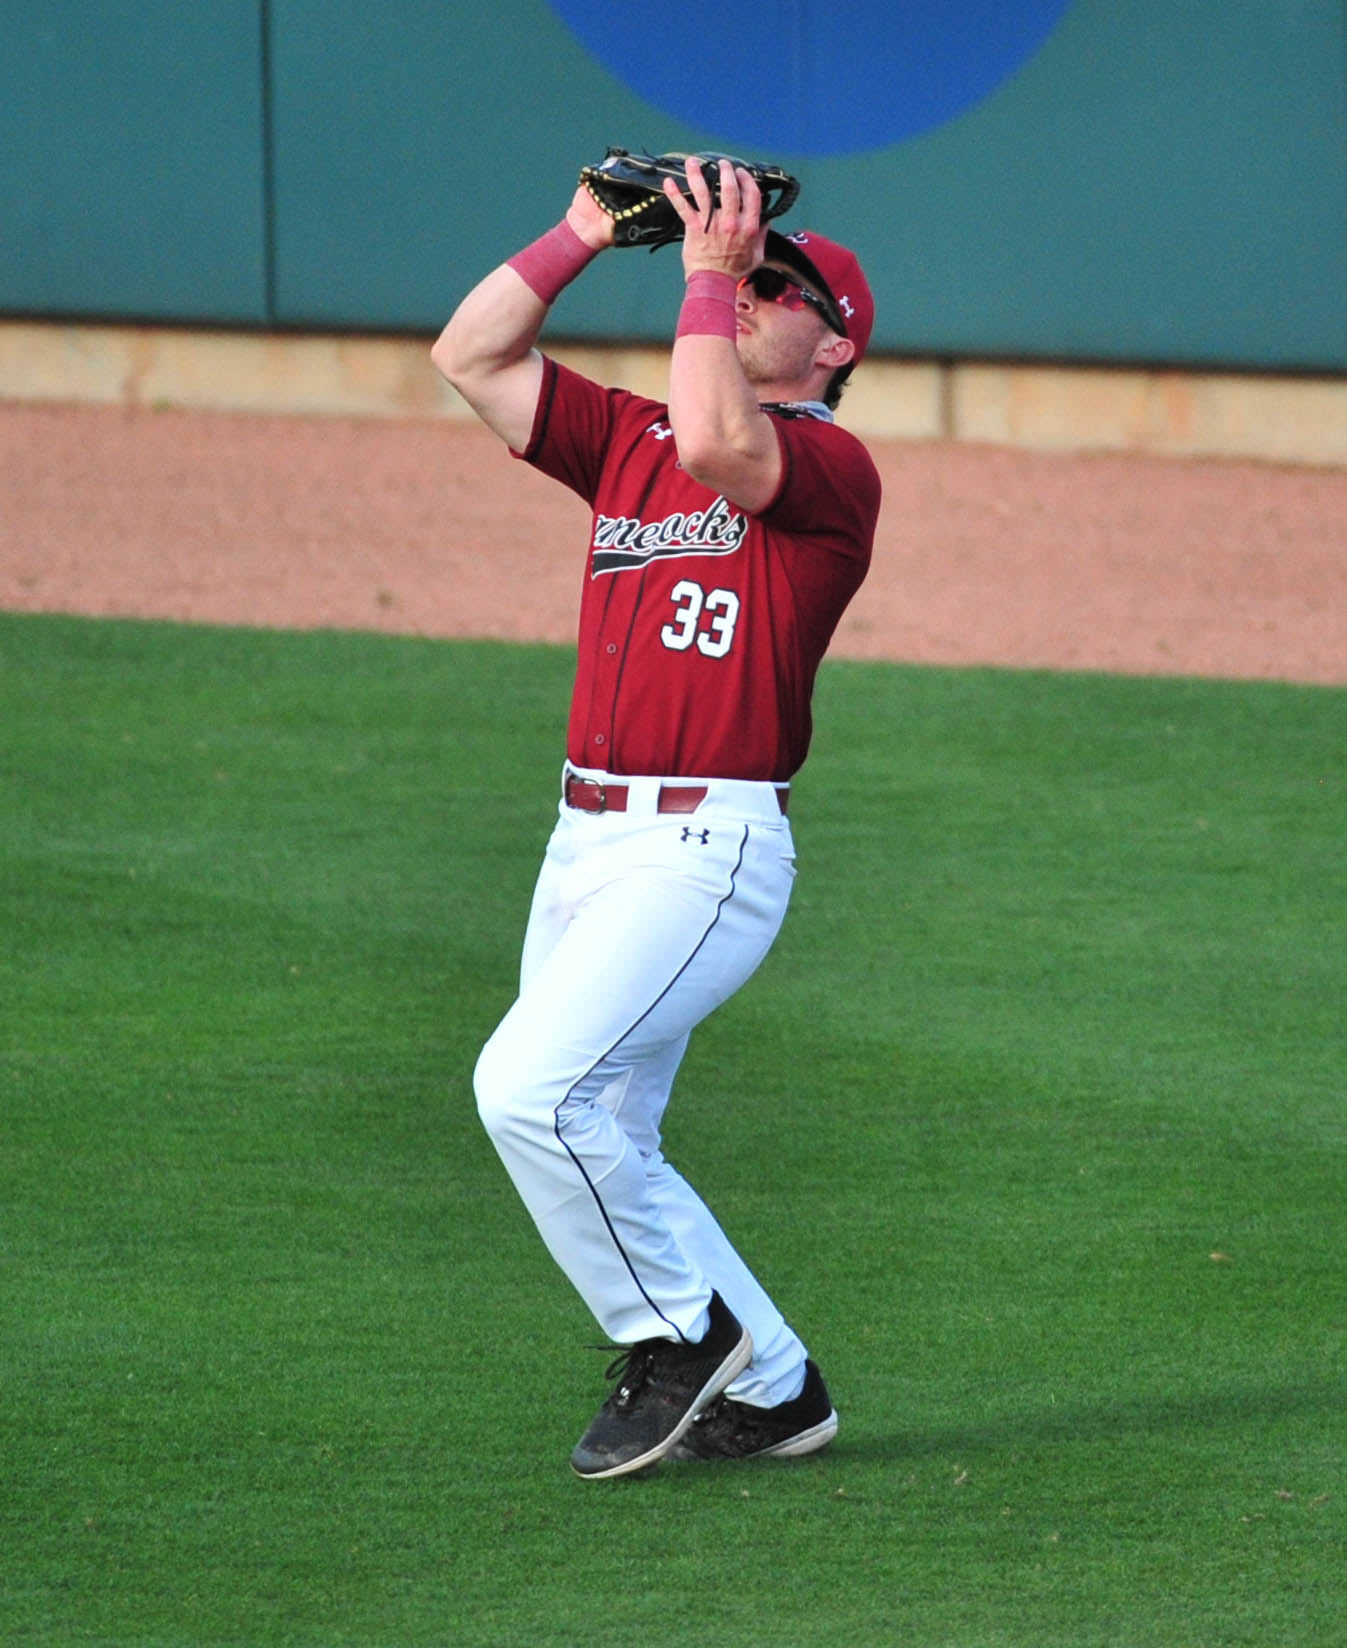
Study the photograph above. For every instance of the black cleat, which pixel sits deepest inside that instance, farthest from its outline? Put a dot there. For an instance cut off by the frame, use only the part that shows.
(727, 1429)
(663, 1385)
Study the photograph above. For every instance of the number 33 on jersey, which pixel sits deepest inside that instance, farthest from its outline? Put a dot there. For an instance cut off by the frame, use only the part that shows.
(721, 608)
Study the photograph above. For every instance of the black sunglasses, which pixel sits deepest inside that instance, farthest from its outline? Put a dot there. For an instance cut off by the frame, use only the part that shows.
(771, 286)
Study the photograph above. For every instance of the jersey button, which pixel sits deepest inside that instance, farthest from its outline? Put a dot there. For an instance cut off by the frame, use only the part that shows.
(598, 738)
(611, 647)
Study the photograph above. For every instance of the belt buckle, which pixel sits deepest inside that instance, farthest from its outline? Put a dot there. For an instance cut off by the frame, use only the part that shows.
(575, 783)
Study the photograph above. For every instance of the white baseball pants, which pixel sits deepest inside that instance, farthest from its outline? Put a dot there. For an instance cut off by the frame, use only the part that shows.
(642, 923)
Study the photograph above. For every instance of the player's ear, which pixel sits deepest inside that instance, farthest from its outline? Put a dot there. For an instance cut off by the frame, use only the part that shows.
(833, 351)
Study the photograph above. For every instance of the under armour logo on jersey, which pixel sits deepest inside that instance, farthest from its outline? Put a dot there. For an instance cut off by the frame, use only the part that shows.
(661, 431)
(689, 834)
(848, 307)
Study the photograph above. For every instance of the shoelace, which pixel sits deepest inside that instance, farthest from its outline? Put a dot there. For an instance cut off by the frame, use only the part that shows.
(630, 1368)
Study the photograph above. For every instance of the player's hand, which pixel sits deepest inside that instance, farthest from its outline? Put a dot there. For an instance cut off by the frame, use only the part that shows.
(729, 238)
(589, 220)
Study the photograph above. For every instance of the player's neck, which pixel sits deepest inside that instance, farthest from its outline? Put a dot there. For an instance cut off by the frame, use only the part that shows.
(789, 394)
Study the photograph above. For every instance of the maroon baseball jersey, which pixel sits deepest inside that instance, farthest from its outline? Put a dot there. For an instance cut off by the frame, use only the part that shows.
(701, 626)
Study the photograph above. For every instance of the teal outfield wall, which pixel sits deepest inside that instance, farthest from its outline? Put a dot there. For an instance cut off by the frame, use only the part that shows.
(131, 159)
(1112, 180)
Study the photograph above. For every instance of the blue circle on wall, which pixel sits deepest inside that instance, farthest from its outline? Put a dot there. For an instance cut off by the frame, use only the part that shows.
(815, 77)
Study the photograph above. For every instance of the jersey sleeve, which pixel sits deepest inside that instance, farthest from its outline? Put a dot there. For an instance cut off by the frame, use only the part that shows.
(830, 488)
(571, 428)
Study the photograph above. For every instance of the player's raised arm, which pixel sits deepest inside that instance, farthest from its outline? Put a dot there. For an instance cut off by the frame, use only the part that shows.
(724, 439)
(487, 349)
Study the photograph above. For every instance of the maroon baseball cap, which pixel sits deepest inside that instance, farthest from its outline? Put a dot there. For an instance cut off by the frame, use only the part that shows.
(837, 274)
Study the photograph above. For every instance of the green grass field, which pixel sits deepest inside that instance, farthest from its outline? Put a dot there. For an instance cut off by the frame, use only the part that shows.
(1035, 1121)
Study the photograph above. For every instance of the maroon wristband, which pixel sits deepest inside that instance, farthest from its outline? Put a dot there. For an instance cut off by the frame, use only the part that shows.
(709, 304)
(552, 262)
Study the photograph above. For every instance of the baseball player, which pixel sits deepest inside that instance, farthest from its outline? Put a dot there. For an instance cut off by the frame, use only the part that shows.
(730, 529)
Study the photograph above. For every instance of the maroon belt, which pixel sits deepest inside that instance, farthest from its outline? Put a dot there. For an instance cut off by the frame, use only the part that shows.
(588, 795)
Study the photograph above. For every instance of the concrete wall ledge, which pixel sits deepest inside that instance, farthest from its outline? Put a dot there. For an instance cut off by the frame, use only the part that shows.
(1046, 408)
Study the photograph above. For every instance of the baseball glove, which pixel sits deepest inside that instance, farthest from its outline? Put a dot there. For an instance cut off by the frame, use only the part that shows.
(629, 187)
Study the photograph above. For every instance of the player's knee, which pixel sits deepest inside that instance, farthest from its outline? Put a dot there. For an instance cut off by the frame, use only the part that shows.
(493, 1091)
(525, 1089)
(507, 1090)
